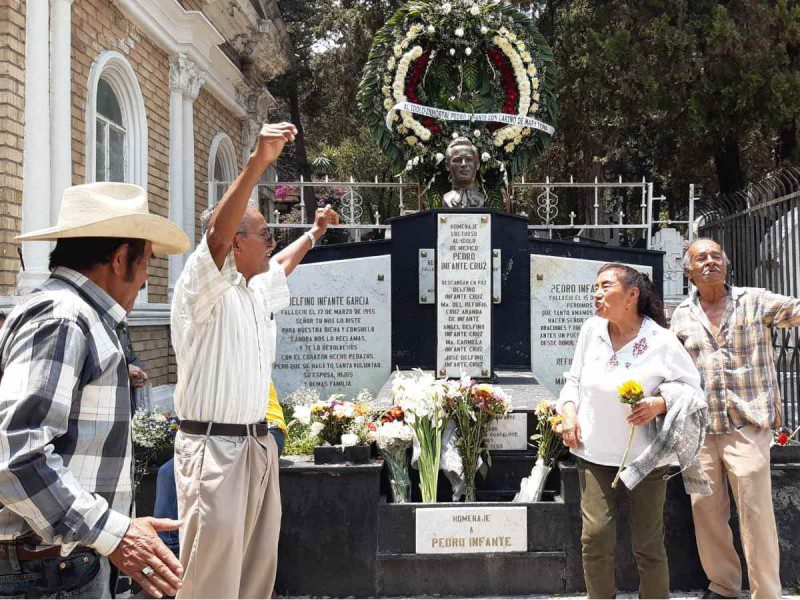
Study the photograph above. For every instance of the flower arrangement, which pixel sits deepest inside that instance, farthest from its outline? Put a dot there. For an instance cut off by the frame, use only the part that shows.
(630, 392)
(472, 407)
(473, 56)
(421, 398)
(549, 448)
(336, 420)
(784, 438)
(394, 437)
(286, 192)
(152, 436)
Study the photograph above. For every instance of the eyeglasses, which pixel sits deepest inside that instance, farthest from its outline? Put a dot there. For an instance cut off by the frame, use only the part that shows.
(264, 235)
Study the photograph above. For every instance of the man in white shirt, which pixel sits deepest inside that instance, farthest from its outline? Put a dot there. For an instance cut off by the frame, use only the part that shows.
(226, 463)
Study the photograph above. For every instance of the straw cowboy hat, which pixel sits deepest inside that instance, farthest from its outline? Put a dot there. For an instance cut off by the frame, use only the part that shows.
(116, 210)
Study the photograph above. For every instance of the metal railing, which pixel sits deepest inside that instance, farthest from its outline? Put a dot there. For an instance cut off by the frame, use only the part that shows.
(546, 209)
(759, 228)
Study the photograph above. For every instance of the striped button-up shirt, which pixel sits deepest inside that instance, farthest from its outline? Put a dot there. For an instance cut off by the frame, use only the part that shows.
(224, 338)
(65, 447)
(738, 365)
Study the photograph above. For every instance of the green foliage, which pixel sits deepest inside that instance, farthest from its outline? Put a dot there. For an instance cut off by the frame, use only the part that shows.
(459, 76)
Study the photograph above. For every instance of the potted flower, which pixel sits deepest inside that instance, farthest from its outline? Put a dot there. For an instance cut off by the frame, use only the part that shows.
(394, 437)
(153, 440)
(341, 428)
(286, 196)
(785, 447)
(421, 397)
(472, 407)
(549, 448)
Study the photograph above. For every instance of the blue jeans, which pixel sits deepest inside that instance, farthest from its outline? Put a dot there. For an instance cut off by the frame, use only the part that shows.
(166, 506)
(79, 575)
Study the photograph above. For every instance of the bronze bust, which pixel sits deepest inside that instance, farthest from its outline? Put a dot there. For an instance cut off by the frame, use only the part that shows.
(463, 161)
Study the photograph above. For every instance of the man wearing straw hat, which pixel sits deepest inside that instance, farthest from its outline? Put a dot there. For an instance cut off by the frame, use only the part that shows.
(226, 462)
(65, 438)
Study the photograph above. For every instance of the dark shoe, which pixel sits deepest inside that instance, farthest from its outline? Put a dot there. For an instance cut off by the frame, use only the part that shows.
(712, 594)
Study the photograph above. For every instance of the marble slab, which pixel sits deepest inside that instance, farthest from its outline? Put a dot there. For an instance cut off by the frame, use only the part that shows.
(464, 295)
(509, 432)
(471, 530)
(561, 300)
(427, 276)
(336, 336)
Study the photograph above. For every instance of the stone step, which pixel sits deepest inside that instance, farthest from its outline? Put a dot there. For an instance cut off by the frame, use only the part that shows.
(496, 574)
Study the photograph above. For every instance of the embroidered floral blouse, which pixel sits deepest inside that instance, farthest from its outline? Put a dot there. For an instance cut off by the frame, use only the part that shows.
(653, 357)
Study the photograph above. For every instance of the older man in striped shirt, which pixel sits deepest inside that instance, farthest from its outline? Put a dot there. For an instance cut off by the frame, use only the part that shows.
(226, 463)
(728, 332)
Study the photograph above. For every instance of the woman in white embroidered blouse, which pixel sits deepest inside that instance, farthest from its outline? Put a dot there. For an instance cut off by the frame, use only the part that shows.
(627, 340)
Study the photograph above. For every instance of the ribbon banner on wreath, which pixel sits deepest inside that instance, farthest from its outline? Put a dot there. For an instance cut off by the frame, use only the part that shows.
(450, 115)
(473, 68)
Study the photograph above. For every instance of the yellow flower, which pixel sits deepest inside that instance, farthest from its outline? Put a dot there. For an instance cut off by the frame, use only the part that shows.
(543, 407)
(555, 420)
(630, 389)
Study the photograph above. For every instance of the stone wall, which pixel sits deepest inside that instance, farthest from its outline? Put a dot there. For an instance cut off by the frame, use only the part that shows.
(210, 118)
(12, 122)
(152, 347)
(97, 25)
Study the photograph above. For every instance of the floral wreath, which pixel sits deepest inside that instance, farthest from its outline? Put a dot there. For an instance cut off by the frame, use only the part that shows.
(469, 56)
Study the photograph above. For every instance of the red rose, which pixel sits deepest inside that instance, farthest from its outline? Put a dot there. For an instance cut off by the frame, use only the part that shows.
(782, 439)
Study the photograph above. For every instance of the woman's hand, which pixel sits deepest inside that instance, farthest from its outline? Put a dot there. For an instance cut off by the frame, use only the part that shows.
(569, 429)
(646, 410)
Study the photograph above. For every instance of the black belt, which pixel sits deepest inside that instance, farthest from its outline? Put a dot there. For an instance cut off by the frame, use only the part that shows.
(228, 429)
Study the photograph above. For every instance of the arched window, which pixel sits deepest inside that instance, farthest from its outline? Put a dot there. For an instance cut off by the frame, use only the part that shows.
(110, 135)
(116, 123)
(221, 167)
(116, 126)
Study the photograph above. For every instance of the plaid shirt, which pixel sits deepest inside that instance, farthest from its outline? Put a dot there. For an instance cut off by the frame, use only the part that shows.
(65, 448)
(738, 367)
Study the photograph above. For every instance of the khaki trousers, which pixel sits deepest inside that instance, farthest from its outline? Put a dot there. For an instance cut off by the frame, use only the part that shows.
(229, 500)
(599, 534)
(741, 458)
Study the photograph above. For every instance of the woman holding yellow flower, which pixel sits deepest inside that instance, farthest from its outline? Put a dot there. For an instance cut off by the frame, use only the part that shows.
(613, 402)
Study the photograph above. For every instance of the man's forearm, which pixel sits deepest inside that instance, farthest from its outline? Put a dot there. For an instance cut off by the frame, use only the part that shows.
(293, 254)
(230, 210)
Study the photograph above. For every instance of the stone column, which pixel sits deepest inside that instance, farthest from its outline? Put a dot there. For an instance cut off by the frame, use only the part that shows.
(36, 190)
(184, 85)
(60, 103)
(190, 93)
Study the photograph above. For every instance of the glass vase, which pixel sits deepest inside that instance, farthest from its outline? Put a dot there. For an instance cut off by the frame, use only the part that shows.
(399, 478)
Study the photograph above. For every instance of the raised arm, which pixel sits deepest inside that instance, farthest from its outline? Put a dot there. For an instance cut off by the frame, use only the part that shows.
(230, 209)
(291, 256)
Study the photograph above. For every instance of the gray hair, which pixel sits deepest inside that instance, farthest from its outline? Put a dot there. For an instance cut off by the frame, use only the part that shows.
(686, 262)
(205, 218)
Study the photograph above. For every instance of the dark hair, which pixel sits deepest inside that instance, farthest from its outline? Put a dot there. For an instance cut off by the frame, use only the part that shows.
(649, 304)
(81, 254)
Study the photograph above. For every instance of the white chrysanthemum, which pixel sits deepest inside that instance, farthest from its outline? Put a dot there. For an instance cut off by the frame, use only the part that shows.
(474, 10)
(439, 157)
(411, 140)
(468, 51)
(349, 439)
(484, 29)
(303, 414)
(485, 157)
(316, 428)
(452, 51)
(477, 133)
(431, 29)
(459, 32)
